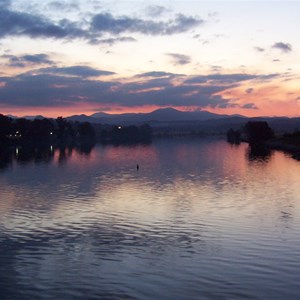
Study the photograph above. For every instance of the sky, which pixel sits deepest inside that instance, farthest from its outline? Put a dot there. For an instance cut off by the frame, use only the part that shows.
(66, 57)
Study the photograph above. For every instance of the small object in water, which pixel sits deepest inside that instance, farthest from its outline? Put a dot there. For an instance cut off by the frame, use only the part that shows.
(137, 167)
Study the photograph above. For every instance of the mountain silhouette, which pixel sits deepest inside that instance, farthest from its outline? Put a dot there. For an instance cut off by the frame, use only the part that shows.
(160, 115)
(196, 120)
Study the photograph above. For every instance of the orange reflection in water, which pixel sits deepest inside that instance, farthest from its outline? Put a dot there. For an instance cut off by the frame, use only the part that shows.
(178, 178)
(110, 156)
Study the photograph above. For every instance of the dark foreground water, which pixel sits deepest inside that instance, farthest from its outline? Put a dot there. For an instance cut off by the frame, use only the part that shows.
(200, 219)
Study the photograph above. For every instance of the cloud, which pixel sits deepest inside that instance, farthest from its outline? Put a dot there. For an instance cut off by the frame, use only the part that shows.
(168, 94)
(48, 90)
(179, 59)
(265, 78)
(18, 23)
(215, 68)
(24, 24)
(259, 49)
(80, 71)
(27, 60)
(221, 78)
(63, 6)
(156, 10)
(37, 58)
(249, 106)
(284, 47)
(156, 74)
(106, 22)
(4, 4)
(112, 41)
(66, 86)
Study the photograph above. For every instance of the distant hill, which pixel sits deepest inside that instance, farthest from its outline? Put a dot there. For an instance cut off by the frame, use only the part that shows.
(81, 118)
(171, 114)
(170, 120)
(188, 120)
(34, 117)
(159, 115)
(100, 115)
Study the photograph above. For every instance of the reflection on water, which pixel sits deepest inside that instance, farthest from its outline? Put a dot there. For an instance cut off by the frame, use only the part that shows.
(41, 153)
(259, 152)
(200, 219)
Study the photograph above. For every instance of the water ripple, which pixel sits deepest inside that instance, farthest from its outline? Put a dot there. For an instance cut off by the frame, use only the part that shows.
(189, 224)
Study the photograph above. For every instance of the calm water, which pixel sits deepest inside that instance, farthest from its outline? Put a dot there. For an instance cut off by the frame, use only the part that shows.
(201, 219)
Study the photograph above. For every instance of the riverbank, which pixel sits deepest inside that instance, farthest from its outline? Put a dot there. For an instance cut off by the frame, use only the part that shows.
(286, 144)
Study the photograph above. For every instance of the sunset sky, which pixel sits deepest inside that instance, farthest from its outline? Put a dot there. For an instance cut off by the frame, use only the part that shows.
(60, 58)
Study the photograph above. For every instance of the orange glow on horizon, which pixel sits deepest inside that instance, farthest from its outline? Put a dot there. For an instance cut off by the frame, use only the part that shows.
(269, 108)
(270, 99)
(54, 112)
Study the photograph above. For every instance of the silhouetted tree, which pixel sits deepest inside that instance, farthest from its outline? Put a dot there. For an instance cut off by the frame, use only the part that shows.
(65, 132)
(5, 127)
(61, 131)
(116, 134)
(258, 131)
(129, 134)
(22, 126)
(292, 138)
(145, 133)
(85, 130)
(40, 129)
(233, 136)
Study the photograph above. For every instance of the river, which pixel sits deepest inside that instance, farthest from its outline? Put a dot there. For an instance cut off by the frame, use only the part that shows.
(199, 219)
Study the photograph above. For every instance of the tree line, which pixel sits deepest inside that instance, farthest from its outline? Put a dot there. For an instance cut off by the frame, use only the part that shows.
(22, 130)
(254, 132)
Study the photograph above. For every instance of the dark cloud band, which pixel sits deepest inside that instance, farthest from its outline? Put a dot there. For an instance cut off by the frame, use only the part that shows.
(15, 23)
(105, 22)
(27, 60)
(66, 86)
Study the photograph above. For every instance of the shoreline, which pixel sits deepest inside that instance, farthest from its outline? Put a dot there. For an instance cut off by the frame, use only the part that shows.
(280, 145)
